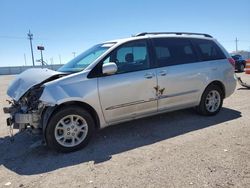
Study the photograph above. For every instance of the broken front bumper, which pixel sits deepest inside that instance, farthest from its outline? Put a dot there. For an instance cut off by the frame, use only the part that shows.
(20, 120)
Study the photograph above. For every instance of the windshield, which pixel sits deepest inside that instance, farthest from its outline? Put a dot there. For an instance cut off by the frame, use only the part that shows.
(83, 60)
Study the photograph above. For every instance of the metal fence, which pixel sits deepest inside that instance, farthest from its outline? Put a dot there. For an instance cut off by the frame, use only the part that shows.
(19, 69)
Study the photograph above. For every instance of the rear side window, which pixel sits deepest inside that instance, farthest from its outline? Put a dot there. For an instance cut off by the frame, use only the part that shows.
(173, 51)
(208, 50)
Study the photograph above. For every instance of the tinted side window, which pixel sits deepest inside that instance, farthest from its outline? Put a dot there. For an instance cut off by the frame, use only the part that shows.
(132, 56)
(173, 51)
(208, 50)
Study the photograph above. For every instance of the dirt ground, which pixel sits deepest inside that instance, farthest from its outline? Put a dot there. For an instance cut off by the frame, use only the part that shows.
(178, 149)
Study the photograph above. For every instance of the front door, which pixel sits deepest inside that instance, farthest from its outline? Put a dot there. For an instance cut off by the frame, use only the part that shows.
(130, 92)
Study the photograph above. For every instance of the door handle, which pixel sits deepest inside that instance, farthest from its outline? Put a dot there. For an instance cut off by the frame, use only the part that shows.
(163, 73)
(149, 75)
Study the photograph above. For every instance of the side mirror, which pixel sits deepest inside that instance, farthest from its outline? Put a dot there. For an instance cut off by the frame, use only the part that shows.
(109, 68)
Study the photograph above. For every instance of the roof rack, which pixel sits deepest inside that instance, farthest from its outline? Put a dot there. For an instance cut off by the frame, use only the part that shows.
(176, 33)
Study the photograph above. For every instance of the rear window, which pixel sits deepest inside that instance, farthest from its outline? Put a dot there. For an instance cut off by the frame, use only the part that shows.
(173, 51)
(208, 50)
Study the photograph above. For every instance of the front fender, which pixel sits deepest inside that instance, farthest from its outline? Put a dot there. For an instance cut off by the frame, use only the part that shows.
(77, 88)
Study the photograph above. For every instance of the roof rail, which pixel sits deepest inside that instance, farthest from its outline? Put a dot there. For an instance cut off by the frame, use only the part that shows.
(176, 33)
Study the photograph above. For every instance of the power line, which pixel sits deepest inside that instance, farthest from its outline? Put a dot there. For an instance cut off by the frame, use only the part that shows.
(16, 37)
(248, 41)
(11, 37)
(233, 41)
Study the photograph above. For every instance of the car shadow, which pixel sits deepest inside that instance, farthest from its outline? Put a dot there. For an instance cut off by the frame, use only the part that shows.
(23, 158)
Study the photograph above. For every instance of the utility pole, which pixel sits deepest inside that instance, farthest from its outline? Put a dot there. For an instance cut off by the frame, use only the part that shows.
(25, 61)
(51, 61)
(30, 37)
(60, 58)
(236, 44)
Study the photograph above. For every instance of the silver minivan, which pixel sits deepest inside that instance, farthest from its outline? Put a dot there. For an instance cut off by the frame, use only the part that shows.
(118, 81)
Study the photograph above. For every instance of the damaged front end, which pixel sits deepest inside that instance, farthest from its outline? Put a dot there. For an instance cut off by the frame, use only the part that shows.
(26, 112)
(25, 107)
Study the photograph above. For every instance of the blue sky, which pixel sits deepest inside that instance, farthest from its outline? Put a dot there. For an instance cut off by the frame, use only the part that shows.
(65, 26)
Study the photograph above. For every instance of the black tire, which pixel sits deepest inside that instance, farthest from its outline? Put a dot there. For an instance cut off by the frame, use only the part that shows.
(202, 108)
(241, 67)
(50, 132)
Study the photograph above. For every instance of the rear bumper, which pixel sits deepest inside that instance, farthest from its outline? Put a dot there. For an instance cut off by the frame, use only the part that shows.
(230, 86)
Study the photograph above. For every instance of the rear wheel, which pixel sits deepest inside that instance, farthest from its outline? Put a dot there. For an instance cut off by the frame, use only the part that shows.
(211, 101)
(69, 129)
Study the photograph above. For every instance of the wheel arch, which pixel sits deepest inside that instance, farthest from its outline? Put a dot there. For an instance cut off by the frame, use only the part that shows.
(200, 108)
(49, 111)
(219, 84)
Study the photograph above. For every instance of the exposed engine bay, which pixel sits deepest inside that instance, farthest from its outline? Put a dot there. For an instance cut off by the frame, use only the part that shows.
(26, 112)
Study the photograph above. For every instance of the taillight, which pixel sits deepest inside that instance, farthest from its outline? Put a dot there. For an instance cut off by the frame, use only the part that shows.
(231, 61)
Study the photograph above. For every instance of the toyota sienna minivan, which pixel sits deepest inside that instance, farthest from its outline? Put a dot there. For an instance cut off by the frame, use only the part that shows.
(121, 80)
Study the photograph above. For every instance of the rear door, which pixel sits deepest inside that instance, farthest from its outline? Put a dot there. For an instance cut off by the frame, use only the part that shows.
(180, 75)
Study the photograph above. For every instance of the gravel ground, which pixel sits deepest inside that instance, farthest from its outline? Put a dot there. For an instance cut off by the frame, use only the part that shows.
(178, 149)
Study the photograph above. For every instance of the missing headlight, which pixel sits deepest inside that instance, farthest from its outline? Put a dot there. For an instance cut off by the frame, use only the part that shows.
(31, 98)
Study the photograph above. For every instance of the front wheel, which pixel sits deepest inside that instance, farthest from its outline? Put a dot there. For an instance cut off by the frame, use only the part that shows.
(211, 101)
(69, 129)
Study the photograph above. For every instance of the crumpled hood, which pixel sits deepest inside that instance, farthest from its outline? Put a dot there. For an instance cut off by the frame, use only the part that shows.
(27, 79)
